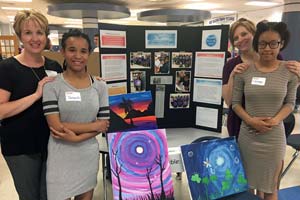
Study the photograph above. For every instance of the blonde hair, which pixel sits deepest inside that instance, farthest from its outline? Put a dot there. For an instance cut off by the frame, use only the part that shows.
(249, 25)
(27, 15)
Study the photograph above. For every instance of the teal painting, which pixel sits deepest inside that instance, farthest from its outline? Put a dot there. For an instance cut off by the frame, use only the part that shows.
(214, 169)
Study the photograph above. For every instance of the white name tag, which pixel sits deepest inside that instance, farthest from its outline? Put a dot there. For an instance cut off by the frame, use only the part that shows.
(51, 73)
(258, 81)
(73, 96)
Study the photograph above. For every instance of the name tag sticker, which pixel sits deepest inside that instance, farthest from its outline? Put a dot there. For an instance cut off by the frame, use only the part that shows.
(258, 81)
(73, 96)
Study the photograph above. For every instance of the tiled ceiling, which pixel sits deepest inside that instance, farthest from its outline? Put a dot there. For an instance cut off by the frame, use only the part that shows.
(135, 6)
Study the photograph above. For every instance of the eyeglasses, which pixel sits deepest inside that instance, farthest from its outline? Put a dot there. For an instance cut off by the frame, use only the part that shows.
(273, 44)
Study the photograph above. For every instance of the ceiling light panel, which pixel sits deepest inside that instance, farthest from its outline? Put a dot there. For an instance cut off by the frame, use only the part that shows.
(14, 8)
(223, 11)
(261, 3)
(12, 1)
(201, 6)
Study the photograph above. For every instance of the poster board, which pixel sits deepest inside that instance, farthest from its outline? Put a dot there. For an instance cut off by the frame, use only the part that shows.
(162, 83)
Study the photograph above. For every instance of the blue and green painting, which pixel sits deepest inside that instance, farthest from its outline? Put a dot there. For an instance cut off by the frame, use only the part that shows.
(214, 169)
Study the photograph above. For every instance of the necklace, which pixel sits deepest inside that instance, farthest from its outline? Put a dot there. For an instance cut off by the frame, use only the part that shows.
(35, 74)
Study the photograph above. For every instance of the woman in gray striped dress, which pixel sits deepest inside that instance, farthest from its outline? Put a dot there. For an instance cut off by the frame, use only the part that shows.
(270, 92)
(76, 108)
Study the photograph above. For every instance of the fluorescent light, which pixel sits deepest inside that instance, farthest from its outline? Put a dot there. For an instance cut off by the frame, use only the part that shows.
(202, 6)
(8, 1)
(74, 20)
(161, 24)
(261, 3)
(275, 17)
(223, 11)
(14, 8)
(133, 12)
(73, 26)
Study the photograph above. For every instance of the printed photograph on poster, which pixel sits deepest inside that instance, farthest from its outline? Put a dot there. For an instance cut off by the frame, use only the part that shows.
(163, 80)
(179, 101)
(182, 59)
(140, 60)
(207, 91)
(183, 81)
(207, 117)
(161, 62)
(163, 39)
(112, 39)
(209, 64)
(211, 39)
(117, 88)
(137, 81)
(114, 67)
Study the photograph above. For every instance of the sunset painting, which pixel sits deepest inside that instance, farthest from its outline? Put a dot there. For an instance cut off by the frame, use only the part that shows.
(132, 111)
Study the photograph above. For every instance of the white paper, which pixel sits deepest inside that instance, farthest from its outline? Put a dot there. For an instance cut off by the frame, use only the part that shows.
(211, 39)
(175, 159)
(117, 88)
(51, 73)
(161, 39)
(209, 64)
(113, 67)
(207, 117)
(112, 39)
(207, 91)
(166, 80)
(160, 101)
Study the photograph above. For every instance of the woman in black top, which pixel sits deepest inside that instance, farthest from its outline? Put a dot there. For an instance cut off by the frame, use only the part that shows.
(24, 132)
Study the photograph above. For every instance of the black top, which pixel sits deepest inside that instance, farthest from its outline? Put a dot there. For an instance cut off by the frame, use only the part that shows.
(26, 132)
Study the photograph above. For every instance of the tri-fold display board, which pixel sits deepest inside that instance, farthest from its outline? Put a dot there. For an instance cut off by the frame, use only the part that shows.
(181, 66)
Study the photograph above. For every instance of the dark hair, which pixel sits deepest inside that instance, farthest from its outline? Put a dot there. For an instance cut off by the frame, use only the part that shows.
(48, 44)
(96, 35)
(74, 33)
(278, 27)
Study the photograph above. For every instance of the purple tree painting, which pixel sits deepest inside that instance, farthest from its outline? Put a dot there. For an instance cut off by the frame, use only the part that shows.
(140, 165)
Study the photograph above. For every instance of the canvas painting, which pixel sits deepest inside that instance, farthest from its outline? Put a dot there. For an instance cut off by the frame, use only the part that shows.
(140, 165)
(214, 169)
(132, 111)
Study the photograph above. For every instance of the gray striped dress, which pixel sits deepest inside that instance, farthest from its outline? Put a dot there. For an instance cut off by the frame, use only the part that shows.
(72, 167)
(262, 154)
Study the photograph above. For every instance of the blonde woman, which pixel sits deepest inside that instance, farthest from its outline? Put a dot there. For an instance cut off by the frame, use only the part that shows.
(24, 132)
(241, 35)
